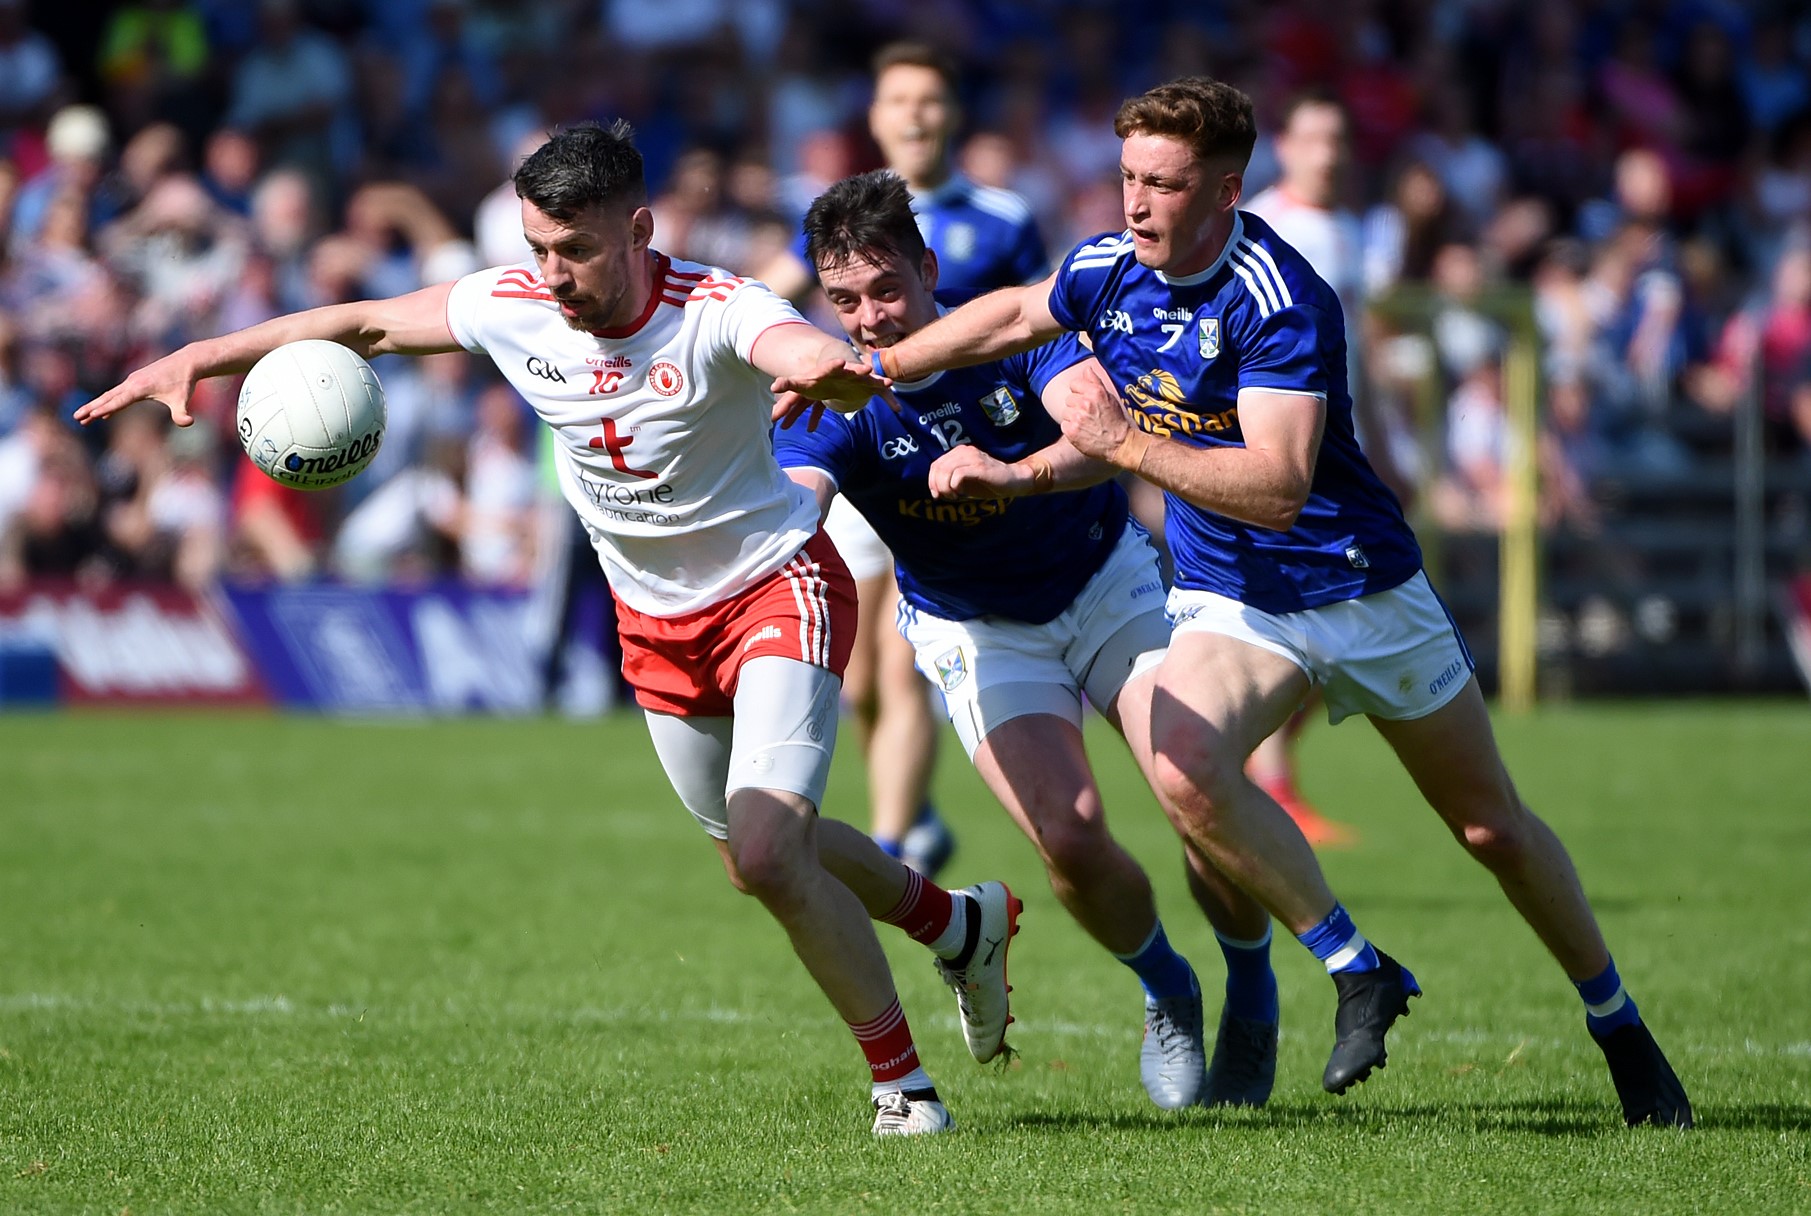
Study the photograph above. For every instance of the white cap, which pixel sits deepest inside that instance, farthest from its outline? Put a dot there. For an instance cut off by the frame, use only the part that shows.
(77, 133)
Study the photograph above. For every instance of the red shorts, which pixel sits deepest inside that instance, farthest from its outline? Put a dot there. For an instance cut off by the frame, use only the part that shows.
(690, 665)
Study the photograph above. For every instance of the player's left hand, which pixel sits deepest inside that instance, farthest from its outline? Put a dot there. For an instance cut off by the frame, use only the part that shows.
(965, 471)
(1095, 422)
(843, 384)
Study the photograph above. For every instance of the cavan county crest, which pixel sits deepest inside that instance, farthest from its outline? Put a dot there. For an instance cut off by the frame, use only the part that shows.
(1001, 407)
(1210, 337)
(952, 669)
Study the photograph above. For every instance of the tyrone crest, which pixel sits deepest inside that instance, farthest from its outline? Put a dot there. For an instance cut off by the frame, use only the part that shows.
(1210, 337)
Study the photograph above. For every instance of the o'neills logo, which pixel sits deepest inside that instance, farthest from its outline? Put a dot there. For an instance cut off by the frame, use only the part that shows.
(354, 452)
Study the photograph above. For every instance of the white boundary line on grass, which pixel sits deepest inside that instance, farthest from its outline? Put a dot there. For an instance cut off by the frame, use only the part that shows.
(282, 1006)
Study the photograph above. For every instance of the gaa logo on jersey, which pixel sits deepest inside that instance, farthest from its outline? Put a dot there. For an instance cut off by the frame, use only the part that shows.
(665, 378)
(952, 669)
(1210, 337)
(1001, 407)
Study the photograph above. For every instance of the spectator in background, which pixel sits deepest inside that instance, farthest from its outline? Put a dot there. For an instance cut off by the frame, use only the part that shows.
(78, 141)
(1771, 342)
(183, 254)
(286, 222)
(1470, 167)
(407, 530)
(497, 223)
(185, 510)
(153, 60)
(15, 399)
(31, 76)
(293, 91)
(1775, 86)
(497, 530)
(55, 530)
(229, 169)
(1402, 233)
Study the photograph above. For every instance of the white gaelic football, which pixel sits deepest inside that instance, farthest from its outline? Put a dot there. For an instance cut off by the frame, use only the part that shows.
(311, 414)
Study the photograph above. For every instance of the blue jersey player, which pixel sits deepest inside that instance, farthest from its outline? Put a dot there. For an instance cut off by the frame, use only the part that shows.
(1226, 357)
(1016, 604)
(984, 238)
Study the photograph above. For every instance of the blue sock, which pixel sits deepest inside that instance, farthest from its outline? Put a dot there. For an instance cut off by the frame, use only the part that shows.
(1162, 971)
(1337, 942)
(1251, 986)
(927, 815)
(1607, 1004)
(889, 847)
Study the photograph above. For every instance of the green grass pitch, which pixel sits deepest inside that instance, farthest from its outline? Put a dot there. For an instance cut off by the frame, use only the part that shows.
(263, 964)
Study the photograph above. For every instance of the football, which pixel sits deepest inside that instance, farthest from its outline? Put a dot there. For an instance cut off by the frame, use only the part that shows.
(311, 414)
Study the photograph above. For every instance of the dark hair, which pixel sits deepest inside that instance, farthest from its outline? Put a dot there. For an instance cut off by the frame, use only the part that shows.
(1211, 117)
(584, 165)
(1315, 95)
(917, 55)
(866, 218)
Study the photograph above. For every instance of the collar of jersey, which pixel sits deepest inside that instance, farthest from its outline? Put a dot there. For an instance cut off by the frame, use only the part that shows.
(942, 194)
(661, 262)
(1202, 276)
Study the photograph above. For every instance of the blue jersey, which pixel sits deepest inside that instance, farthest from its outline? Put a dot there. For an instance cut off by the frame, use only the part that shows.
(985, 239)
(1181, 348)
(1024, 558)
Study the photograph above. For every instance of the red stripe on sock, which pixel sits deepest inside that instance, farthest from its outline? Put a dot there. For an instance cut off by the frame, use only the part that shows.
(924, 910)
(887, 1042)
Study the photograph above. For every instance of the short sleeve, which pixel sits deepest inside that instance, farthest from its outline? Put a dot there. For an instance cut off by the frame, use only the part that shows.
(465, 305)
(1288, 351)
(832, 448)
(1037, 367)
(1082, 280)
(751, 310)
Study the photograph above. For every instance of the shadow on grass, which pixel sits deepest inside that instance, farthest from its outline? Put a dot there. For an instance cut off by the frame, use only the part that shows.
(1541, 1117)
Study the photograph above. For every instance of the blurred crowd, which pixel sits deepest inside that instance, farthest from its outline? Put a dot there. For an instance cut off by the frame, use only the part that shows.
(1625, 183)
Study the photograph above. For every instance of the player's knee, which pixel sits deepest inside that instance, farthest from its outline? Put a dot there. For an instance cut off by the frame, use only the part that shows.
(1074, 844)
(1498, 842)
(766, 865)
(1195, 776)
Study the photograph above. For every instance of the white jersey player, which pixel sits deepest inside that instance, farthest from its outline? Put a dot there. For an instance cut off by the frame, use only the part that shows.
(736, 614)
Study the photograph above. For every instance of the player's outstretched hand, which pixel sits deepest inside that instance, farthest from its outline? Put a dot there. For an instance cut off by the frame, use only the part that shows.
(847, 383)
(789, 407)
(170, 380)
(1095, 422)
(965, 471)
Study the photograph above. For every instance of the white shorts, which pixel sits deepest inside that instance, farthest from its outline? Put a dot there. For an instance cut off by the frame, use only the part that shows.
(993, 669)
(1395, 655)
(781, 738)
(854, 538)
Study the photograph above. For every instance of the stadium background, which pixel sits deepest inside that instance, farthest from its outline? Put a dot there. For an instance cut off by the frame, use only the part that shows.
(1598, 209)
(260, 962)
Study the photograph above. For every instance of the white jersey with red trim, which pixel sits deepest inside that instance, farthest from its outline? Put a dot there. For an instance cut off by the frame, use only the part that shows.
(1330, 238)
(662, 426)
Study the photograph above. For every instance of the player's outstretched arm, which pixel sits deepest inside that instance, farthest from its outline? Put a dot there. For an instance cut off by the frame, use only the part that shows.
(413, 324)
(993, 326)
(1265, 483)
(811, 370)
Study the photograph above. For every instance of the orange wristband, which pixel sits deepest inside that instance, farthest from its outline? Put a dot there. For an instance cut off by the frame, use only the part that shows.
(1042, 476)
(1130, 452)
